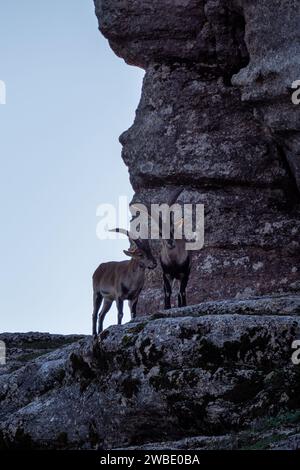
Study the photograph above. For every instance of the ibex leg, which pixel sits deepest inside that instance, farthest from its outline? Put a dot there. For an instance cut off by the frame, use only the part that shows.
(97, 299)
(105, 308)
(168, 292)
(120, 304)
(182, 292)
(132, 306)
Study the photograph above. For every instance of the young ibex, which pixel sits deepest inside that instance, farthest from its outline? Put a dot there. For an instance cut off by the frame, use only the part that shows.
(119, 281)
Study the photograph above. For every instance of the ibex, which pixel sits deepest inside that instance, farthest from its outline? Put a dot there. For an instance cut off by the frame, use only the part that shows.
(175, 260)
(121, 280)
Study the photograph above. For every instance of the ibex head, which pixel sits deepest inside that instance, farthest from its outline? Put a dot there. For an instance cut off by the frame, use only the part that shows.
(171, 242)
(140, 250)
(174, 224)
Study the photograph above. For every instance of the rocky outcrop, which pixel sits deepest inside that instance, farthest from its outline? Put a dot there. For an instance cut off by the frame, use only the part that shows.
(191, 380)
(273, 41)
(216, 119)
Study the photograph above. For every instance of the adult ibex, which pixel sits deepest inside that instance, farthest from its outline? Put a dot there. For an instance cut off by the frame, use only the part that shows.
(123, 280)
(175, 260)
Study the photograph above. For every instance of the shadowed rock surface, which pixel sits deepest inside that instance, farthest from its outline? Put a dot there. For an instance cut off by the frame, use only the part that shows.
(273, 41)
(208, 381)
(216, 119)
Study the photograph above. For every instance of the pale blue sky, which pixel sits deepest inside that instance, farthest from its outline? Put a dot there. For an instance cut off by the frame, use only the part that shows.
(68, 100)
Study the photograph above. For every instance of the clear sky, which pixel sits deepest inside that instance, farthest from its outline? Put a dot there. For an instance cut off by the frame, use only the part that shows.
(68, 100)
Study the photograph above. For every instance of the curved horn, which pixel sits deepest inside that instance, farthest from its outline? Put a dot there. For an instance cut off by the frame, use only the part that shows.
(137, 242)
(139, 208)
(121, 230)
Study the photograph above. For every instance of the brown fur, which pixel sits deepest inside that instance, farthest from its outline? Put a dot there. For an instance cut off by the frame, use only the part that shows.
(119, 281)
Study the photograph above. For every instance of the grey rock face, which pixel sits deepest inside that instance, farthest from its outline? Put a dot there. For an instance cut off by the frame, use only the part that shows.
(269, 305)
(232, 148)
(273, 42)
(193, 131)
(147, 31)
(251, 246)
(202, 382)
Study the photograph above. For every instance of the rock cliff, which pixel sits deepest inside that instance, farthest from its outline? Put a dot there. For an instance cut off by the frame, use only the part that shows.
(216, 118)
